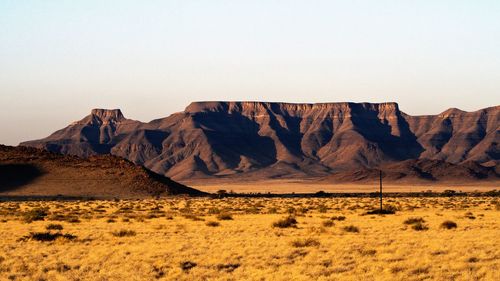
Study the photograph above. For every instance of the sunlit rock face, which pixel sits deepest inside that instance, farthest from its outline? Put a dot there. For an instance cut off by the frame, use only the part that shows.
(273, 140)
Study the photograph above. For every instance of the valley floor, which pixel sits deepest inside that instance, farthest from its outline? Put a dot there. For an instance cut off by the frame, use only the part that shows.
(280, 186)
(251, 239)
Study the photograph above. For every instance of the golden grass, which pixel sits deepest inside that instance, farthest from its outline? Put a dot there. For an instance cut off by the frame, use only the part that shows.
(170, 239)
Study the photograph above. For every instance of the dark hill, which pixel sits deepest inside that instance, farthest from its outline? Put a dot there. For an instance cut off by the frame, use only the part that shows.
(31, 171)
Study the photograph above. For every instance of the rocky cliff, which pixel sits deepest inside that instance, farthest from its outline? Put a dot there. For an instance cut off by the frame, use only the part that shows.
(272, 140)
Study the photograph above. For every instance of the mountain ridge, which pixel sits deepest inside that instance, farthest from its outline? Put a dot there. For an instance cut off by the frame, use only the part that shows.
(220, 139)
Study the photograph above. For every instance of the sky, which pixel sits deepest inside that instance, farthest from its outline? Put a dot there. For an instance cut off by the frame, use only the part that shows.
(60, 59)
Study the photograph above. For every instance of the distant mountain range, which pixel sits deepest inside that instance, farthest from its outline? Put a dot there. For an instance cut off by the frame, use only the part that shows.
(261, 140)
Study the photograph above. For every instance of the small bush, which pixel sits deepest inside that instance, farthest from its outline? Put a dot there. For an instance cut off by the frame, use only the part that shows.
(419, 226)
(213, 223)
(472, 260)
(47, 236)
(337, 218)
(414, 220)
(308, 242)
(54, 226)
(37, 214)
(470, 216)
(73, 220)
(449, 225)
(187, 265)
(123, 233)
(351, 228)
(286, 222)
(224, 217)
(193, 217)
(385, 211)
(322, 209)
(230, 267)
(328, 223)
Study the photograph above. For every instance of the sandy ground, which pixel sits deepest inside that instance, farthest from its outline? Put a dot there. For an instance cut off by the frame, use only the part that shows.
(290, 186)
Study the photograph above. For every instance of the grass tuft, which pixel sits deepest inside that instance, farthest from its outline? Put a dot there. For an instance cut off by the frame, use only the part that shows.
(308, 242)
(123, 233)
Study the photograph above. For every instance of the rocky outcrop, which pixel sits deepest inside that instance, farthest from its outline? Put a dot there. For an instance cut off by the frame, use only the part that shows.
(270, 140)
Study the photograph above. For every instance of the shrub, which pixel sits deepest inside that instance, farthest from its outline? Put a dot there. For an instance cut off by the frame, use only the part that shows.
(54, 226)
(328, 223)
(469, 215)
(123, 233)
(286, 222)
(337, 218)
(419, 226)
(449, 225)
(193, 217)
(213, 223)
(37, 214)
(308, 242)
(230, 267)
(386, 211)
(73, 220)
(414, 220)
(213, 211)
(224, 217)
(351, 228)
(47, 236)
(322, 209)
(472, 260)
(187, 265)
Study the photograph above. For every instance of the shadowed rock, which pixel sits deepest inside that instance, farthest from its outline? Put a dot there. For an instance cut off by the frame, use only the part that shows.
(264, 140)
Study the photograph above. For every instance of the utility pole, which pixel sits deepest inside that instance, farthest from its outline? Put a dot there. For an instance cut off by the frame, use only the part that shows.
(380, 177)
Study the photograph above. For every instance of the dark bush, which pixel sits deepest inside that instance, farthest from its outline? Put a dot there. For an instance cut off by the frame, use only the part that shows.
(328, 223)
(351, 228)
(37, 214)
(414, 220)
(47, 236)
(286, 222)
(337, 218)
(213, 223)
(187, 265)
(54, 226)
(419, 226)
(224, 217)
(449, 225)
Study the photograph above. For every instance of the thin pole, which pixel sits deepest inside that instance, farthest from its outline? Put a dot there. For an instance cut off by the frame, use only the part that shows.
(380, 177)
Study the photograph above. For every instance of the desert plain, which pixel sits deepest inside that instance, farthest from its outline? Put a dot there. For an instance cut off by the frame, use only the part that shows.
(297, 238)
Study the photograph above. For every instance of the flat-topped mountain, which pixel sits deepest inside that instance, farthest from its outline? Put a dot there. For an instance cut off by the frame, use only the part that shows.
(33, 172)
(274, 140)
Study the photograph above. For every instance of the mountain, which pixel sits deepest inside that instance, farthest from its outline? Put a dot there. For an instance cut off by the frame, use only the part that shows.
(31, 171)
(418, 170)
(282, 140)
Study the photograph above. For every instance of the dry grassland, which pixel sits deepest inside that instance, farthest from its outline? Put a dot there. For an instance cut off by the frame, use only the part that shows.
(251, 239)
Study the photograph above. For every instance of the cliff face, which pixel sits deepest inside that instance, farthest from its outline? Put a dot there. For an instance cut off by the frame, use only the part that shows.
(271, 140)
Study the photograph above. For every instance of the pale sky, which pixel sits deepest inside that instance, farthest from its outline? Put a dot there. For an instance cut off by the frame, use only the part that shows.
(60, 59)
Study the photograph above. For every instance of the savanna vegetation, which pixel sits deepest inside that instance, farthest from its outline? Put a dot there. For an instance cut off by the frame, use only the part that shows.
(436, 238)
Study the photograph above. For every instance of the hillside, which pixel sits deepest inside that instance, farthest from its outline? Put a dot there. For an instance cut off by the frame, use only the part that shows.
(30, 171)
(273, 140)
